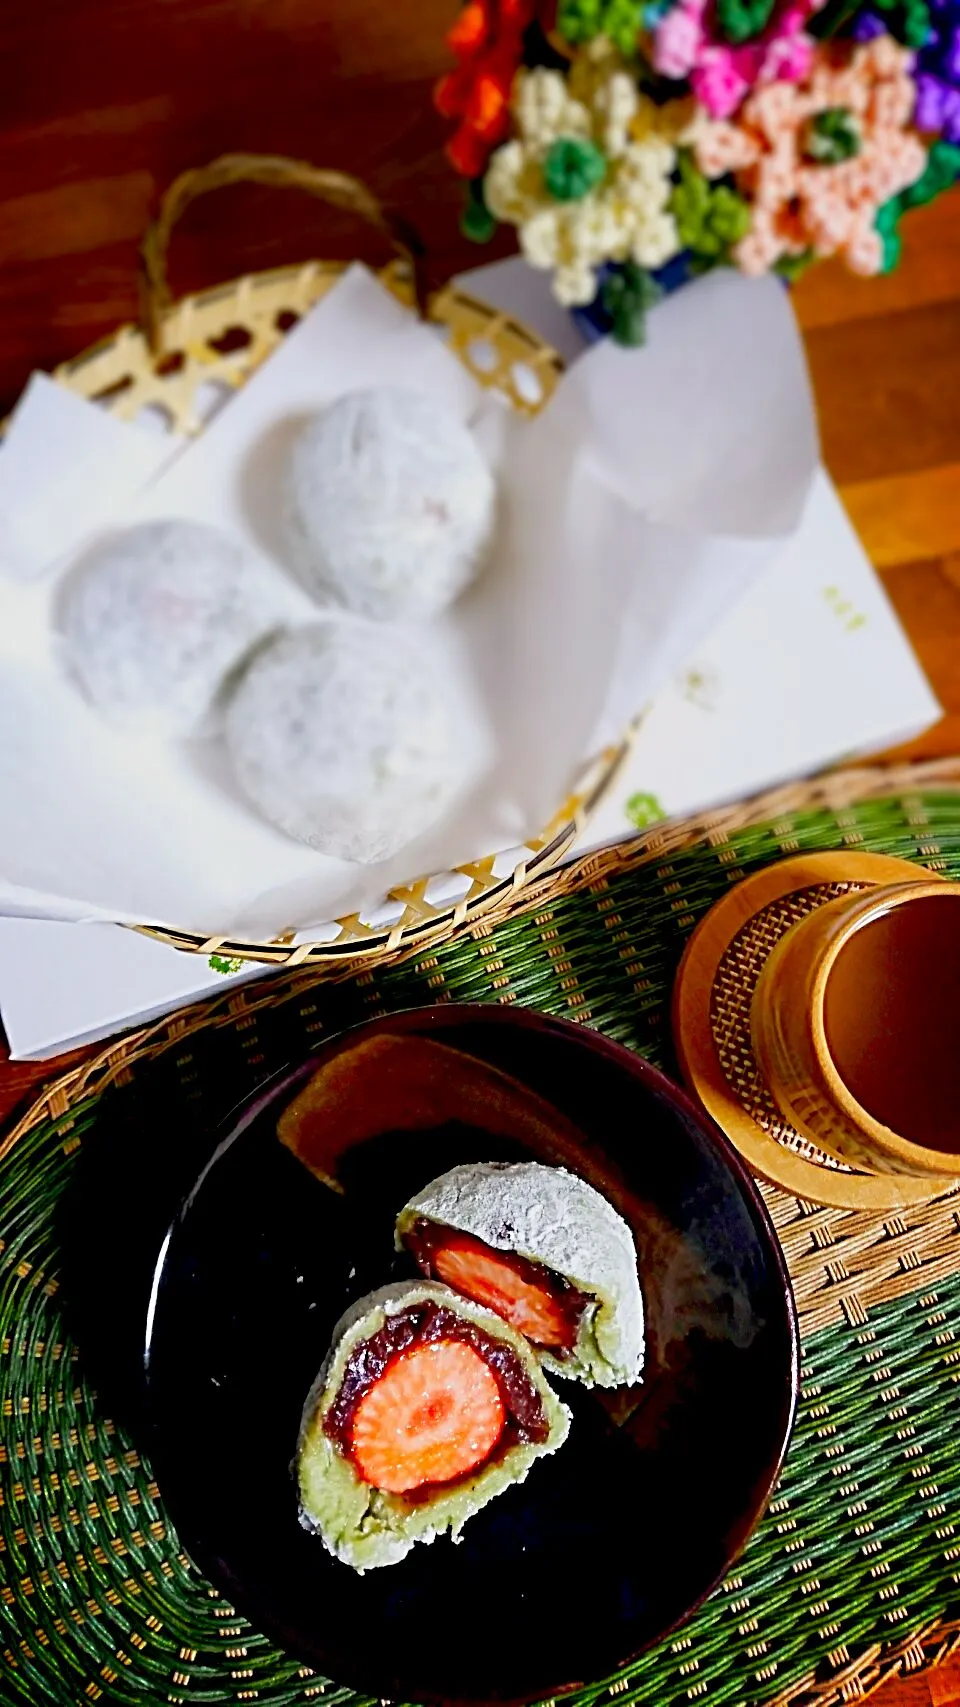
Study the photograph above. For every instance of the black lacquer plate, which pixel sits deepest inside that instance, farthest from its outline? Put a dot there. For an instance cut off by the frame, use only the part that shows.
(608, 1544)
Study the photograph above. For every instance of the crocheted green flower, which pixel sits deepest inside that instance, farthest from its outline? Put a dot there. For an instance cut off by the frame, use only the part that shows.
(573, 167)
(793, 267)
(619, 20)
(941, 171)
(916, 23)
(710, 217)
(626, 295)
(476, 220)
(740, 20)
(908, 21)
(832, 136)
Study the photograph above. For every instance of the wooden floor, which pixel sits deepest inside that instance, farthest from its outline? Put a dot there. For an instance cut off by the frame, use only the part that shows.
(885, 359)
(939, 1688)
(102, 102)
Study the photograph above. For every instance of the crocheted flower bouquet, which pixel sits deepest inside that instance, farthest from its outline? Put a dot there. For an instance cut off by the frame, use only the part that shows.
(635, 143)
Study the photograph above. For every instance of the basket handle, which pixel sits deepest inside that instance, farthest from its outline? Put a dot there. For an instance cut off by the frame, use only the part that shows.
(335, 188)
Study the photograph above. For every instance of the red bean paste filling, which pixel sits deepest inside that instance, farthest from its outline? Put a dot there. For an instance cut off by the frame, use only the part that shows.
(425, 1238)
(424, 1324)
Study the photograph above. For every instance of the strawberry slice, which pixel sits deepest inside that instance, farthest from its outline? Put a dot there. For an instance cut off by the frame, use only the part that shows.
(435, 1414)
(507, 1285)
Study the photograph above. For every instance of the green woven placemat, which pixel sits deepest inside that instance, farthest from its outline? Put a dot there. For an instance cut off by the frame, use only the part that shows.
(861, 1546)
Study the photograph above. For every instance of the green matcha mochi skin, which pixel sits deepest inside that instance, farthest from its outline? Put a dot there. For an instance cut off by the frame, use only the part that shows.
(555, 1219)
(364, 1526)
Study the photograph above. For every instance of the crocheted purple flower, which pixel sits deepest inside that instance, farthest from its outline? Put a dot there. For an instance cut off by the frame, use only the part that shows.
(867, 25)
(938, 73)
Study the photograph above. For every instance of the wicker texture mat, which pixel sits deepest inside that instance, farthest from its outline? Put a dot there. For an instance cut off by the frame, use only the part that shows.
(854, 1572)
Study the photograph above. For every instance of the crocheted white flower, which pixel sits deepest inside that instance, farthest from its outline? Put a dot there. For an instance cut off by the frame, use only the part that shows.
(587, 177)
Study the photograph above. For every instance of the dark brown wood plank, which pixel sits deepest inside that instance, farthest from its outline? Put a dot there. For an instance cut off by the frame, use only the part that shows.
(888, 391)
(926, 597)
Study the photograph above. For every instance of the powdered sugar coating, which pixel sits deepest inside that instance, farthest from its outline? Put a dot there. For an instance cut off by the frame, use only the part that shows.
(551, 1216)
(343, 735)
(154, 619)
(388, 504)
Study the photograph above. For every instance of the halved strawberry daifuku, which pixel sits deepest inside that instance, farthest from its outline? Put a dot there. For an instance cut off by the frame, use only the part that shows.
(532, 1300)
(427, 1406)
(543, 1248)
(435, 1415)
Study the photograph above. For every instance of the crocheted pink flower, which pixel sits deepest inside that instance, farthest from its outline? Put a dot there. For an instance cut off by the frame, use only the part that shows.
(679, 39)
(817, 158)
(789, 58)
(687, 43)
(722, 78)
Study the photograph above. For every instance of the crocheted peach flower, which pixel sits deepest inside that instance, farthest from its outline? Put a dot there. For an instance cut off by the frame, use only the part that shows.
(586, 177)
(725, 51)
(818, 158)
(487, 40)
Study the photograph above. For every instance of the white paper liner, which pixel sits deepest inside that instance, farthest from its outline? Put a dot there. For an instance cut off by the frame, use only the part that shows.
(649, 494)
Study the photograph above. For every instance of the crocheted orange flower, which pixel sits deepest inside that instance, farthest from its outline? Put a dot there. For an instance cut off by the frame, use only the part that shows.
(818, 158)
(487, 42)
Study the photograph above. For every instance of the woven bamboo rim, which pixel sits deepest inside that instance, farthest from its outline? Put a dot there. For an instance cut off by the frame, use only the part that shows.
(833, 792)
(221, 336)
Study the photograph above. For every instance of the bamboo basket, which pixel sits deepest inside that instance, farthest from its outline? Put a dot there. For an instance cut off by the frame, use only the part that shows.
(219, 337)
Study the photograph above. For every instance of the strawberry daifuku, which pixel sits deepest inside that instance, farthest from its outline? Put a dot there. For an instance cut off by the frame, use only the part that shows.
(434, 1415)
(546, 1251)
(541, 1306)
(426, 1408)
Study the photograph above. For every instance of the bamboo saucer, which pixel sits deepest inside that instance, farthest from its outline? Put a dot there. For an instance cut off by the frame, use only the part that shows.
(711, 1025)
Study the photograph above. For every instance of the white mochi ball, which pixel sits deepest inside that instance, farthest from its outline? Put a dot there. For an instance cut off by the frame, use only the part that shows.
(345, 735)
(154, 619)
(389, 505)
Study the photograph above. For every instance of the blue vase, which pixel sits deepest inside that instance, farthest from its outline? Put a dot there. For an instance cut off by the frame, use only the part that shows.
(594, 323)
